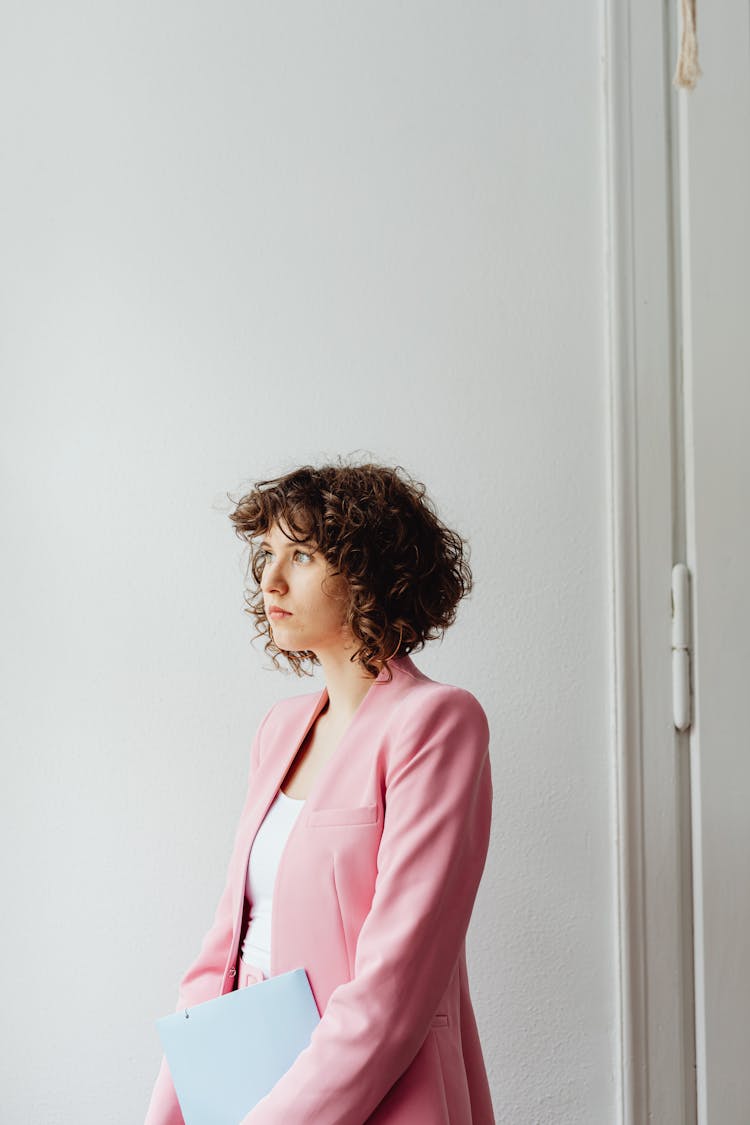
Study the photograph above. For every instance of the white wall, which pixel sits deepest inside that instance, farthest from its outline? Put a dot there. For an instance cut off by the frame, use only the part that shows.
(237, 237)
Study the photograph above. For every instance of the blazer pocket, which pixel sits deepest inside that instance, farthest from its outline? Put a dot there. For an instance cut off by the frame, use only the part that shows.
(364, 814)
(439, 1020)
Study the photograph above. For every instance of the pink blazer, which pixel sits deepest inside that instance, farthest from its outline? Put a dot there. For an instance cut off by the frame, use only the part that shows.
(373, 897)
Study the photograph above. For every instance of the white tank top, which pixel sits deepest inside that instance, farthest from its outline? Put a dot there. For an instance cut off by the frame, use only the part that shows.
(261, 874)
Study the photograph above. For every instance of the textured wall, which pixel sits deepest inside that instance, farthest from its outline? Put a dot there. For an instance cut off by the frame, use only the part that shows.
(237, 237)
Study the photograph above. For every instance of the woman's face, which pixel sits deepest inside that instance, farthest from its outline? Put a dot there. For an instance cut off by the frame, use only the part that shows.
(297, 580)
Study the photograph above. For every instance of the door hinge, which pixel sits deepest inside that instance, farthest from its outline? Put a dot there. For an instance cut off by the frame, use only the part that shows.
(681, 698)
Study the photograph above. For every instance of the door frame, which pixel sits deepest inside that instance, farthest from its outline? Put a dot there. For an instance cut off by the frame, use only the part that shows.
(651, 770)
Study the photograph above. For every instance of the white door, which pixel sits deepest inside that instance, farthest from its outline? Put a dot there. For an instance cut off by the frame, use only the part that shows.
(714, 191)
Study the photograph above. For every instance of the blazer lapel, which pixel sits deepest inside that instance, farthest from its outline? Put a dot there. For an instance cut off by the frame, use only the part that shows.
(267, 782)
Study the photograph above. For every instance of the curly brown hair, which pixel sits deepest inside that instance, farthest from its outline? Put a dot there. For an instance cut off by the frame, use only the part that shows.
(406, 571)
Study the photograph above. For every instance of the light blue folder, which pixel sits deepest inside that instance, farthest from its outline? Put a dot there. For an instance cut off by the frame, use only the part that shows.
(225, 1054)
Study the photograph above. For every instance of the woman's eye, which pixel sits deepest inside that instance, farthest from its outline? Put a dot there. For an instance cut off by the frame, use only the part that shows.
(305, 555)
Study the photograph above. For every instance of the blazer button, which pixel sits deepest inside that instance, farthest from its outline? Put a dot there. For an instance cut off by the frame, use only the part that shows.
(232, 973)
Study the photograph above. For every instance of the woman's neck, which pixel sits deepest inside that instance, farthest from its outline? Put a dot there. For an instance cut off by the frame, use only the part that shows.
(347, 685)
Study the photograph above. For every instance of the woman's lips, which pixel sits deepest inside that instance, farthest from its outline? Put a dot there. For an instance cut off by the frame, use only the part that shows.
(278, 613)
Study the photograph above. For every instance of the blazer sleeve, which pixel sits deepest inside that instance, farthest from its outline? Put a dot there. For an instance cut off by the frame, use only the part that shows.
(203, 979)
(438, 810)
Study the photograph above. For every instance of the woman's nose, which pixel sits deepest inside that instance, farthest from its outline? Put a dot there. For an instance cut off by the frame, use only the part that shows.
(272, 578)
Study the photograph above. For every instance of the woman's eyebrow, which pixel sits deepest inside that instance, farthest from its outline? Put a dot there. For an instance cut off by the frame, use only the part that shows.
(305, 543)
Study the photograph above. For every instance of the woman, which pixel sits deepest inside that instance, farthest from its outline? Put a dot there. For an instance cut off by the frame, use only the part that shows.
(377, 790)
